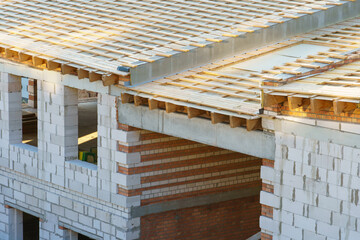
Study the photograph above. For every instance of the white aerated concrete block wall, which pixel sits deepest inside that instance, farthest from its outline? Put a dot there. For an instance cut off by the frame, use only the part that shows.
(316, 190)
(45, 181)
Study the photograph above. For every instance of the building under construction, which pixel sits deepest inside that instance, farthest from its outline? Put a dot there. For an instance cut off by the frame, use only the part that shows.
(179, 120)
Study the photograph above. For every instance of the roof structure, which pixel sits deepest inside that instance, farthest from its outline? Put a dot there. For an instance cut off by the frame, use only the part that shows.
(118, 40)
(322, 65)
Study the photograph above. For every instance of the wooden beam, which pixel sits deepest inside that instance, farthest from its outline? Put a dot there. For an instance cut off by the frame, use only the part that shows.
(140, 101)
(171, 107)
(253, 124)
(11, 54)
(51, 65)
(318, 105)
(270, 100)
(110, 79)
(66, 69)
(153, 104)
(218, 118)
(24, 57)
(294, 102)
(38, 61)
(127, 98)
(341, 106)
(193, 112)
(237, 122)
(83, 73)
(93, 76)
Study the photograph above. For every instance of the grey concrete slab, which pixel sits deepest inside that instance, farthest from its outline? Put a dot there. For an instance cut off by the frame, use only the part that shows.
(255, 143)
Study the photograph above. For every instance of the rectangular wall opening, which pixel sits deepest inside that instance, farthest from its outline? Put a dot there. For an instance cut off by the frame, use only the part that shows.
(87, 126)
(29, 118)
(30, 227)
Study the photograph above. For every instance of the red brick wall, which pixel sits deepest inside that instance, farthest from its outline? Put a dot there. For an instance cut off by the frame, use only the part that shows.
(173, 168)
(236, 219)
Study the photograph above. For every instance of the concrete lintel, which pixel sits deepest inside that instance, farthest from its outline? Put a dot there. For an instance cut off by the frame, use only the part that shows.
(25, 210)
(244, 42)
(256, 143)
(77, 230)
(193, 201)
(317, 133)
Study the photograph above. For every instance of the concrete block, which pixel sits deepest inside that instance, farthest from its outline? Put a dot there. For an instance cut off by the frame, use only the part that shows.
(269, 224)
(328, 230)
(331, 149)
(268, 173)
(88, 221)
(293, 180)
(344, 221)
(291, 206)
(313, 236)
(269, 199)
(320, 214)
(283, 216)
(285, 139)
(329, 203)
(304, 223)
(342, 166)
(339, 192)
(307, 197)
(291, 231)
(350, 127)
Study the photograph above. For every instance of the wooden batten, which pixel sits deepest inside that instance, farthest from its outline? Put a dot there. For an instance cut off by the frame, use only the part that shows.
(318, 105)
(218, 118)
(270, 100)
(83, 73)
(237, 122)
(110, 79)
(253, 124)
(193, 112)
(127, 98)
(153, 104)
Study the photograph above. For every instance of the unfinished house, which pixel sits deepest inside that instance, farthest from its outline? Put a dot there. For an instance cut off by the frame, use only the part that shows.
(179, 120)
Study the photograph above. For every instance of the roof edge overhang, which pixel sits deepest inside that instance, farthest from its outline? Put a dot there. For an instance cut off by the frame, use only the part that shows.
(229, 46)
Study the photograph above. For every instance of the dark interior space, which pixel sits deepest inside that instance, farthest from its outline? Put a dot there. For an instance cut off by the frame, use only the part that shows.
(30, 227)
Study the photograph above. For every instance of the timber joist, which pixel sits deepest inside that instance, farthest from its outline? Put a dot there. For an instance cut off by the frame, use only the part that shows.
(310, 103)
(81, 71)
(250, 122)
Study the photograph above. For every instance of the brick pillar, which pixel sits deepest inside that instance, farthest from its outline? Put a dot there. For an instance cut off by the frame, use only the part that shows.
(58, 129)
(109, 137)
(32, 90)
(267, 198)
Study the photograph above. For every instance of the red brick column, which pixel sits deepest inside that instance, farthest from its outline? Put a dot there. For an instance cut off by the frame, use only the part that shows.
(267, 211)
(32, 90)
